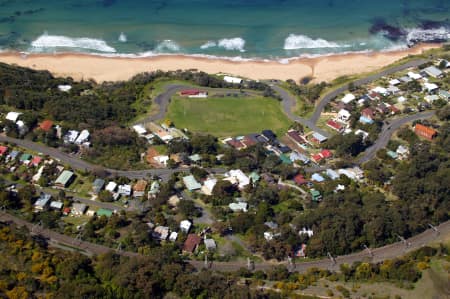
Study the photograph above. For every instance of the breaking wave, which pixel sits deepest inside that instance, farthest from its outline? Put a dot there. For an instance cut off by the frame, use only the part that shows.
(294, 42)
(208, 44)
(46, 41)
(167, 45)
(122, 38)
(233, 44)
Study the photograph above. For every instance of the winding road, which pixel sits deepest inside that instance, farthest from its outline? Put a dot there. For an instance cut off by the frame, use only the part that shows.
(374, 255)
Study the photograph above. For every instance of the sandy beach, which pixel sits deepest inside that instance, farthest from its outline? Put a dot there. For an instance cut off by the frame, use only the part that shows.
(324, 68)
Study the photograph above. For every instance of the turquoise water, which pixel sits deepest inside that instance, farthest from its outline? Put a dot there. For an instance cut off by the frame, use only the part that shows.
(270, 29)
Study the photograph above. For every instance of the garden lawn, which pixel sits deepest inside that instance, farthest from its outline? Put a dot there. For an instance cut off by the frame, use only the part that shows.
(228, 116)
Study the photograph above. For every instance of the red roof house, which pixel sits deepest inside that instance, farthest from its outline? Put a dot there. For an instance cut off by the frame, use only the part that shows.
(368, 113)
(316, 158)
(236, 144)
(46, 125)
(425, 132)
(191, 243)
(36, 161)
(334, 125)
(3, 150)
(326, 153)
(300, 179)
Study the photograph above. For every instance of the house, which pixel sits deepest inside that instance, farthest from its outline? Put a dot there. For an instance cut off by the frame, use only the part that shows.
(42, 203)
(98, 185)
(25, 158)
(140, 130)
(317, 177)
(430, 87)
(308, 232)
(236, 176)
(238, 207)
(13, 116)
(233, 80)
(269, 134)
(154, 189)
(36, 161)
(403, 152)
(295, 156)
(173, 236)
(46, 125)
(316, 158)
(139, 188)
(300, 180)
(406, 79)
(83, 137)
(124, 190)
(272, 225)
(343, 115)
(296, 137)
(326, 153)
(392, 154)
(71, 136)
(210, 244)
(445, 95)
(195, 158)
(235, 143)
(65, 179)
(56, 205)
(104, 212)
(78, 209)
(111, 187)
(393, 89)
(250, 140)
(335, 126)
(208, 186)
(431, 98)
(64, 87)
(354, 173)
(315, 195)
(348, 98)
(382, 108)
(254, 177)
(66, 211)
(332, 174)
(414, 76)
(23, 129)
(191, 243)
(185, 226)
(301, 252)
(425, 132)
(365, 120)
(160, 233)
(380, 90)
(394, 82)
(191, 183)
(173, 201)
(162, 159)
(285, 159)
(364, 134)
(268, 236)
(3, 150)
(433, 71)
(401, 99)
(318, 138)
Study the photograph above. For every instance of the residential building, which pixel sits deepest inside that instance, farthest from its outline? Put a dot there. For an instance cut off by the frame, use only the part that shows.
(315, 195)
(392, 154)
(414, 76)
(335, 126)
(348, 98)
(317, 177)
(354, 173)
(269, 134)
(425, 132)
(36, 161)
(46, 125)
(431, 98)
(65, 179)
(236, 176)
(305, 231)
(194, 93)
(140, 130)
(104, 212)
(42, 203)
(13, 116)
(233, 80)
(332, 174)
(71, 136)
(445, 95)
(98, 185)
(296, 137)
(56, 205)
(318, 138)
(430, 87)
(160, 233)
(185, 226)
(3, 150)
(210, 244)
(78, 209)
(111, 187)
(343, 115)
(295, 156)
(83, 137)
(154, 189)
(139, 188)
(124, 190)
(403, 152)
(208, 186)
(394, 82)
(300, 180)
(191, 183)
(173, 236)
(191, 243)
(238, 207)
(433, 71)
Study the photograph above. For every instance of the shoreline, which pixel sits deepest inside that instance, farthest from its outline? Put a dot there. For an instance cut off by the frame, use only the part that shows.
(101, 68)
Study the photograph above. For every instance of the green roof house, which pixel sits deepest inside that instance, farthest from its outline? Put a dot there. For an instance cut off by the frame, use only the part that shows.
(316, 196)
(65, 179)
(25, 157)
(254, 176)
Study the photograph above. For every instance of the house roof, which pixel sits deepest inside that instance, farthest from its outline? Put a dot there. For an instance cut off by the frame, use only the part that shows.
(316, 157)
(332, 174)
(13, 116)
(25, 157)
(46, 125)
(64, 177)
(104, 212)
(300, 179)
(36, 160)
(433, 71)
(317, 177)
(191, 242)
(191, 183)
(368, 112)
(326, 153)
(294, 135)
(140, 186)
(319, 137)
(331, 123)
(210, 243)
(3, 149)
(427, 130)
(348, 98)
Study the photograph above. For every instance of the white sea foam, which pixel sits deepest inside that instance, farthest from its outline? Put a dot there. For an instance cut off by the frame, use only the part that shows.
(122, 38)
(293, 42)
(232, 44)
(168, 45)
(59, 41)
(208, 44)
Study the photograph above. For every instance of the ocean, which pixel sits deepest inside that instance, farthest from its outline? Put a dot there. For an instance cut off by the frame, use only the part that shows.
(238, 29)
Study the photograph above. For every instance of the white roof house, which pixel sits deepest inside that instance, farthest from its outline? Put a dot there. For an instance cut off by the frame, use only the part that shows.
(394, 82)
(414, 76)
(13, 116)
(173, 236)
(191, 183)
(78, 209)
(162, 159)
(431, 98)
(208, 186)
(363, 133)
(354, 173)
(380, 90)
(238, 206)
(210, 244)
(348, 98)
(83, 137)
(140, 129)
(401, 99)
(185, 226)
(305, 231)
(111, 187)
(56, 205)
(430, 86)
(64, 88)
(124, 190)
(237, 176)
(234, 80)
(160, 232)
(71, 136)
(344, 115)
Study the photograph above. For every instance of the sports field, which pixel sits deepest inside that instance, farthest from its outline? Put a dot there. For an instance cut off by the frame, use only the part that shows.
(228, 116)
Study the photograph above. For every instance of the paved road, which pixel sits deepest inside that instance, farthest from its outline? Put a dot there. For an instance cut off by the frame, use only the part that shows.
(333, 94)
(379, 254)
(387, 131)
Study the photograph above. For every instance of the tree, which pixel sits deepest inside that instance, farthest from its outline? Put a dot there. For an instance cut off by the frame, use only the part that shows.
(105, 196)
(188, 209)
